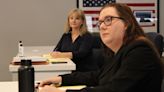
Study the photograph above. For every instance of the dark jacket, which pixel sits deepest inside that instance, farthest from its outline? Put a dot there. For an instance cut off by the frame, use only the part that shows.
(134, 68)
(81, 49)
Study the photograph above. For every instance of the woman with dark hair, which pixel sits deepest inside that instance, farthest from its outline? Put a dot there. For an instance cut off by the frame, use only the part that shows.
(134, 64)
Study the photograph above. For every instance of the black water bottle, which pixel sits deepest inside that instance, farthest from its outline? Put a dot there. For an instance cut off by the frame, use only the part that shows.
(26, 76)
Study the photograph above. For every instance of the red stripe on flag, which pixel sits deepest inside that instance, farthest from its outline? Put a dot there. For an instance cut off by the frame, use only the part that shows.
(141, 4)
(91, 12)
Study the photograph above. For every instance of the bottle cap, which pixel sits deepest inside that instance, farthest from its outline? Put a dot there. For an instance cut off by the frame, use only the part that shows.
(25, 62)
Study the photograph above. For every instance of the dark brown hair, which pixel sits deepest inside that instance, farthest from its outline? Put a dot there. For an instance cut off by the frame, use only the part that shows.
(133, 28)
(133, 31)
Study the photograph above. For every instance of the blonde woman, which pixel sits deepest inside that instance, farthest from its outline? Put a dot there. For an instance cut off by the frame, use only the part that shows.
(76, 42)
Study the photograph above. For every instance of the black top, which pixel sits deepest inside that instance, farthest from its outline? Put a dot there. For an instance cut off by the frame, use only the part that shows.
(81, 49)
(135, 68)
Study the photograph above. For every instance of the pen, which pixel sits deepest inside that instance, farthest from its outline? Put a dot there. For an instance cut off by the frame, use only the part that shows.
(58, 62)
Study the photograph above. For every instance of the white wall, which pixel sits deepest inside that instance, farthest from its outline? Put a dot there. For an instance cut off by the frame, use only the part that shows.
(35, 22)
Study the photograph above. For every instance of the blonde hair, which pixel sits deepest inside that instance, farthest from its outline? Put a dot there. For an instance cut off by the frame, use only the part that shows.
(80, 14)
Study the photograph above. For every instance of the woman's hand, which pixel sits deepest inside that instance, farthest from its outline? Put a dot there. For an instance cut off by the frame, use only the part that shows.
(50, 89)
(55, 54)
(55, 81)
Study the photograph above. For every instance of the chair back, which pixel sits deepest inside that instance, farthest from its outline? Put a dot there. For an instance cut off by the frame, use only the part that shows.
(157, 40)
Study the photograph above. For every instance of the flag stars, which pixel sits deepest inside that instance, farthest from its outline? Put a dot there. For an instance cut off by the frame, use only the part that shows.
(96, 3)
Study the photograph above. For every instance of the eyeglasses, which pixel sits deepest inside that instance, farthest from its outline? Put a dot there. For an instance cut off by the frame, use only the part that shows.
(107, 21)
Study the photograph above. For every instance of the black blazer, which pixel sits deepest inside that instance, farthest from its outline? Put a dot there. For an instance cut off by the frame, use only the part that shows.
(135, 68)
(81, 50)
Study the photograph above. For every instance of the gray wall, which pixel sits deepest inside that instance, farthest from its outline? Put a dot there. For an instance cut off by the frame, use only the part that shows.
(162, 17)
(35, 22)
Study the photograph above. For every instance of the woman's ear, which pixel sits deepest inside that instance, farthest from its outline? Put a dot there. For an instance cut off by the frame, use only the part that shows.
(126, 25)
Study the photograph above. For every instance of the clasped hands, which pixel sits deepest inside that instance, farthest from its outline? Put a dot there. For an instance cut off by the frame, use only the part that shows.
(55, 54)
(50, 85)
(49, 88)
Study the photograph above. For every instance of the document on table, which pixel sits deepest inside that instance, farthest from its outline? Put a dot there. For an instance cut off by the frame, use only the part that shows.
(78, 87)
(56, 60)
(36, 60)
(32, 58)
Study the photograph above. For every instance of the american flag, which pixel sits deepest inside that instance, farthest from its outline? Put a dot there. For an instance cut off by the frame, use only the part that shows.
(92, 8)
(96, 3)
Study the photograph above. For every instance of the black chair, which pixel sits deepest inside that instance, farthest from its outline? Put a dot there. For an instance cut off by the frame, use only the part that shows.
(157, 40)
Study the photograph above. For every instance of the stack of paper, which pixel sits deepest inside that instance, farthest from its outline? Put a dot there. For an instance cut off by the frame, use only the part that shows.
(56, 60)
(77, 87)
(32, 58)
